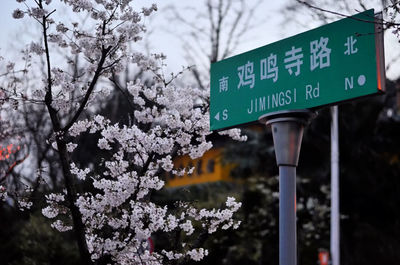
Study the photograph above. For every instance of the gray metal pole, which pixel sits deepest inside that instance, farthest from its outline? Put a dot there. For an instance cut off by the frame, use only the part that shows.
(287, 216)
(335, 212)
(287, 131)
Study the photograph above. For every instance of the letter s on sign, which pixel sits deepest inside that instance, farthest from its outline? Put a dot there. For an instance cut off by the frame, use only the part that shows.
(225, 114)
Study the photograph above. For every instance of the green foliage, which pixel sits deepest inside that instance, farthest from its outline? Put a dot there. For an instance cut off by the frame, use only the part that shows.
(29, 240)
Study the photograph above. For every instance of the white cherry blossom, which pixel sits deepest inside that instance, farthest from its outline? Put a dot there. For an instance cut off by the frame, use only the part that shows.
(116, 213)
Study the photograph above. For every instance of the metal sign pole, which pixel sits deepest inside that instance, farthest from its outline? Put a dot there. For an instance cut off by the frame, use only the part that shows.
(287, 131)
(335, 213)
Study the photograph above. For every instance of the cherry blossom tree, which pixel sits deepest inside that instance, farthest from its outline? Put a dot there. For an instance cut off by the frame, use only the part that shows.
(110, 210)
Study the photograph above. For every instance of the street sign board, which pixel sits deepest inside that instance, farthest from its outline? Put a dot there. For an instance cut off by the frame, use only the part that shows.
(336, 62)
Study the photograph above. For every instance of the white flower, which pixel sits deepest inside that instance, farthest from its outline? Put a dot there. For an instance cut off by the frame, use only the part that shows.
(60, 226)
(168, 118)
(3, 193)
(71, 147)
(187, 227)
(79, 127)
(53, 197)
(171, 255)
(197, 254)
(61, 28)
(10, 66)
(79, 173)
(166, 163)
(36, 48)
(18, 13)
(24, 204)
(54, 145)
(38, 12)
(50, 212)
(103, 144)
(55, 38)
(235, 134)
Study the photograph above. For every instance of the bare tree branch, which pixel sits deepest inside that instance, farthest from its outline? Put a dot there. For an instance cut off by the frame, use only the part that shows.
(90, 89)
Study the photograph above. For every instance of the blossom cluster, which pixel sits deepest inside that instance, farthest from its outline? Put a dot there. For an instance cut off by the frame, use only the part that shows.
(56, 207)
(133, 172)
(100, 43)
(3, 193)
(168, 120)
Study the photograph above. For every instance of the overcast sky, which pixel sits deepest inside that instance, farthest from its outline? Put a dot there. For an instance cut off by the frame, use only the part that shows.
(162, 41)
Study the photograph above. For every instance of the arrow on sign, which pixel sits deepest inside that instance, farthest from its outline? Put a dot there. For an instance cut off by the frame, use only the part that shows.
(217, 116)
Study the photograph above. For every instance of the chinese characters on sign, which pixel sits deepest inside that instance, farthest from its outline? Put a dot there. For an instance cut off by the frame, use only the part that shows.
(333, 63)
(350, 42)
(223, 84)
(293, 59)
(320, 54)
(269, 68)
(319, 58)
(246, 75)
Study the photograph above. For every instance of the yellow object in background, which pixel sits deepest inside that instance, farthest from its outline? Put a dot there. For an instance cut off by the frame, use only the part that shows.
(208, 168)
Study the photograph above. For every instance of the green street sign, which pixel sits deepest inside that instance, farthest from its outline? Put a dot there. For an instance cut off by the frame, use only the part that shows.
(336, 62)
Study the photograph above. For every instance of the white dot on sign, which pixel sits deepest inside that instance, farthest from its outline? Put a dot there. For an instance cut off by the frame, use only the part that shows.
(361, 80)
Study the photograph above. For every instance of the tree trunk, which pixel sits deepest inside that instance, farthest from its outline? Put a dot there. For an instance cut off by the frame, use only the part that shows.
(79, 228)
